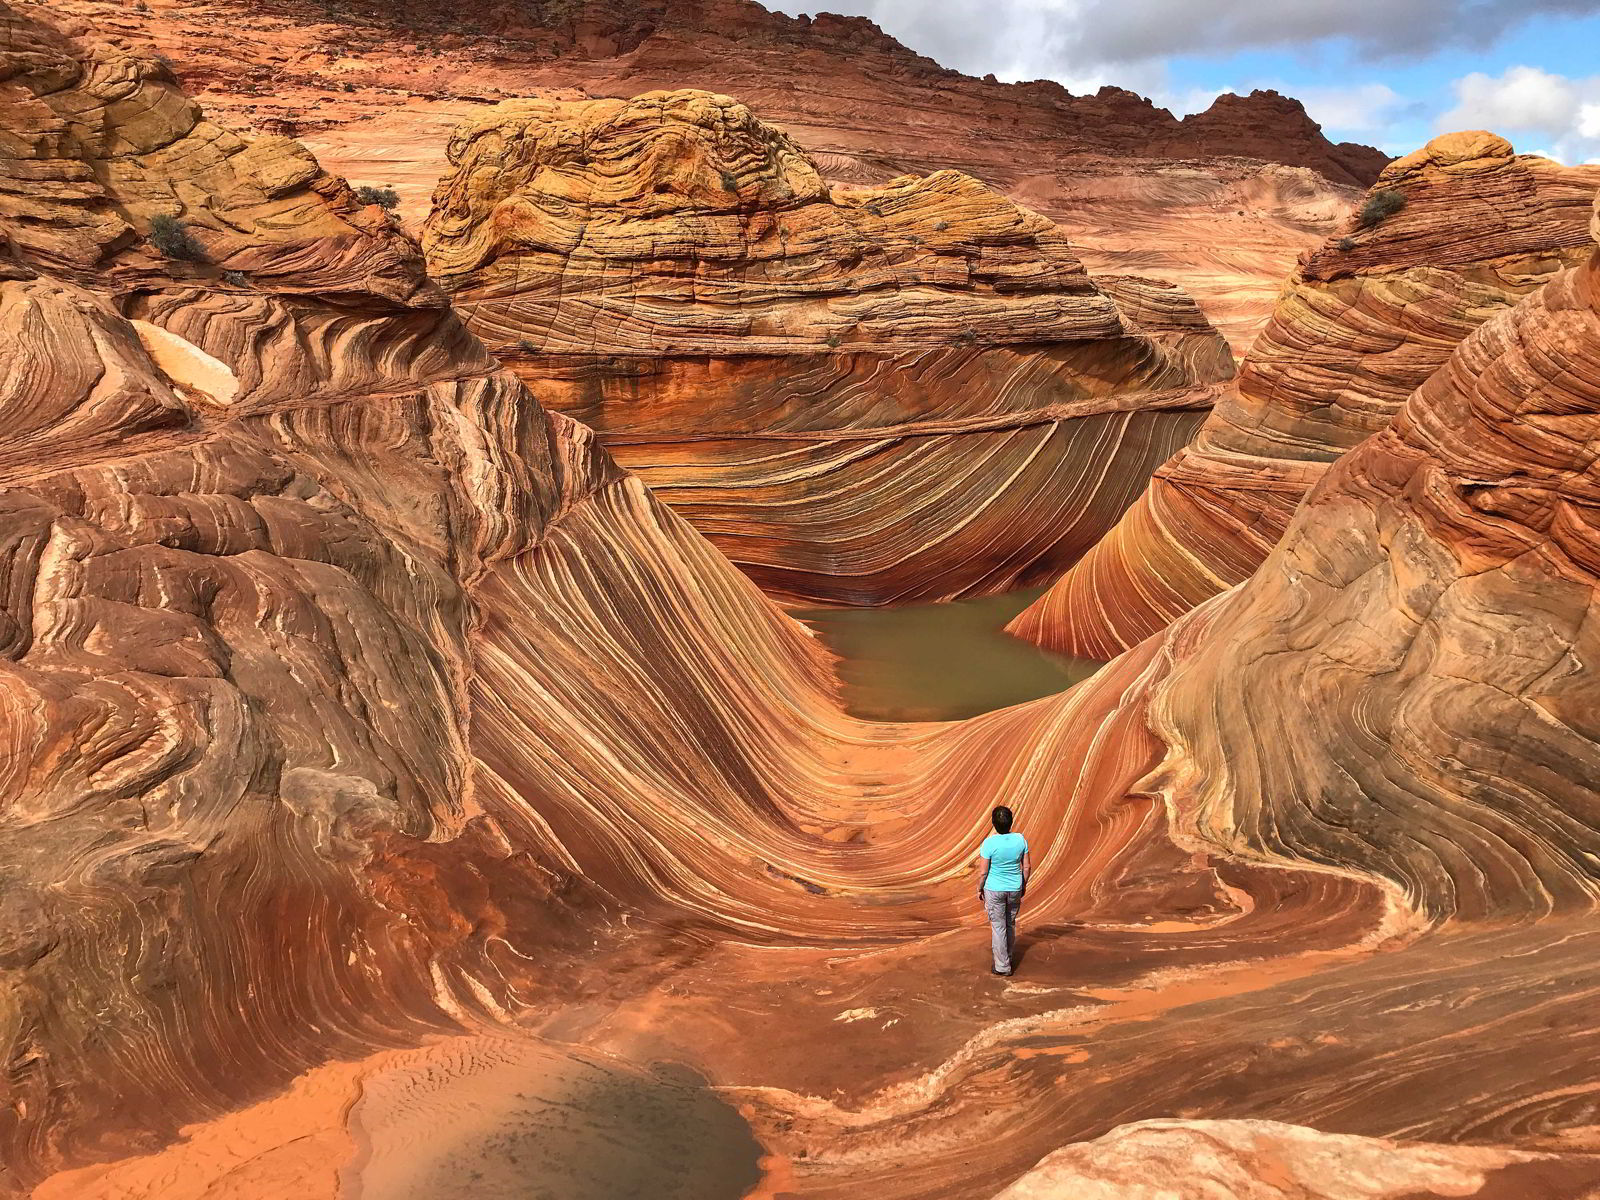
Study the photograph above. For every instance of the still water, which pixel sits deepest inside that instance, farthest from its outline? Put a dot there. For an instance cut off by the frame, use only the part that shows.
(940, 662)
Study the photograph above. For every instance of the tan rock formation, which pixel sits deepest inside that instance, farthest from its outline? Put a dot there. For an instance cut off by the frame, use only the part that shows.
(377, 89)
(349, 695)
(1266, 1160)
(1430, 613)
(349, 698)
(1366, 320)
(900, 394)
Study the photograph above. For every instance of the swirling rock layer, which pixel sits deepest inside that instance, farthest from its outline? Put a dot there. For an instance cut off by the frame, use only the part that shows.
(910, 393)
(348, 698)
(347, 694)
(1265, 1160)
(1364, 322)
(377, 92)
(1432, 608)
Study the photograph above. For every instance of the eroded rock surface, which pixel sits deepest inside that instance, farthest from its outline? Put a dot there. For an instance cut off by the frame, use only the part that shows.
(1363, 323)
(341, 678)
(889, 395)
(377, 89)
(1431, 610)
(1266, 1160)
(349, 699)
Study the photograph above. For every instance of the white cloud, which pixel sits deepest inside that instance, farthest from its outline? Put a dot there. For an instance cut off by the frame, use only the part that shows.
(1362, 108)
(1376, 29)
(1029, 39)
(1563, 112)
(1083, 44)
(1519, 98)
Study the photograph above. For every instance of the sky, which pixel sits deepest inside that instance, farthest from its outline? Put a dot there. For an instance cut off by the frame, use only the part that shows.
(1392, 73)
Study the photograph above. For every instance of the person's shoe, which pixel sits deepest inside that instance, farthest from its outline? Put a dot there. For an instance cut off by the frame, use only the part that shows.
(992, 971)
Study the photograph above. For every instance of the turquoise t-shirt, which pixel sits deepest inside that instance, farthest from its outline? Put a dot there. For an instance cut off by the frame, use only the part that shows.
(1004, 852)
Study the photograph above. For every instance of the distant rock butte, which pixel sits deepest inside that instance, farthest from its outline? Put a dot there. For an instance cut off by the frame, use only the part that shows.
(377, 89)
(899, 394)
(1365, 320)
(1274, 128)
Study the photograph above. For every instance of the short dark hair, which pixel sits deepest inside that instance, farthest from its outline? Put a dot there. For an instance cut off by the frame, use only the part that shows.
(1001, 816)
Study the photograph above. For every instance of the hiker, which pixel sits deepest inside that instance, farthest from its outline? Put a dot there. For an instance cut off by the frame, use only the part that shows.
(1002, 879)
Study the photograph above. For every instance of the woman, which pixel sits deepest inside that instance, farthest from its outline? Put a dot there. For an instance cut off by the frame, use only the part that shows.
(1002, 880)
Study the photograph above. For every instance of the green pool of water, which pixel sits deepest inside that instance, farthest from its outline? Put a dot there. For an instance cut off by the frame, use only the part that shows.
(940, 662)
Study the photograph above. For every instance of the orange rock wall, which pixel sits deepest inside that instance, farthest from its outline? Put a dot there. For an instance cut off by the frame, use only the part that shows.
(862, 396)
(1364, 322)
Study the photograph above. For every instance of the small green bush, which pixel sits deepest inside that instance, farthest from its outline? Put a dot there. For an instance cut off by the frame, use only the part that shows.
(527, 347)
(1379, 207)
(1347, 243)
(236, 279)
(171, 236)
(384, 197)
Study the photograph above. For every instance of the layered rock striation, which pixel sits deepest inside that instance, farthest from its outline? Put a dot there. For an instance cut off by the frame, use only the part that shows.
(1403, 688)
(1363, 323)
(349, 698)
(861, 396)
(377, 89)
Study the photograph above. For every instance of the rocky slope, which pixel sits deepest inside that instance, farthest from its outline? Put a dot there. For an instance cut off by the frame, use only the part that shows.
(350, 700)
(351, 696)
(1431, 610)
(1363, 322)
(871, 396)
(1265, 1160)
(377, 90)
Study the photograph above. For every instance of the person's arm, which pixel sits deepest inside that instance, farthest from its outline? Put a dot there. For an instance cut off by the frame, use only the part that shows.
(983, 875)
(1027, 867)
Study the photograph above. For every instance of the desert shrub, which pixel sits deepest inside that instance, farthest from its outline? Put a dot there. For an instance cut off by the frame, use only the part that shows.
(384, 197)
(236, 278)
(1347, 243)
(967, 337)
(730, 182)
(171, 236)
(832, 341)
(1380, 205)
(941, 226)
(527, 347)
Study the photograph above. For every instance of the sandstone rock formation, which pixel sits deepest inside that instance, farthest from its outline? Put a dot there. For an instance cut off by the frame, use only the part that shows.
(377, 89)
(1431, 611)
(349, 693)
(1365, 320)
(1266, 1160)
(350, 699)
(1274, 128)
(869, 396)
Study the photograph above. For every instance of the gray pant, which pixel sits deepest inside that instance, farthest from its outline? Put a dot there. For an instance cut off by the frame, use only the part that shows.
(1002, 909)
